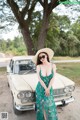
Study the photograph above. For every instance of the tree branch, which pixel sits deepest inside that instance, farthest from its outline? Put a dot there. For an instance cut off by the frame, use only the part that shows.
(45, 4)
(52, 5)
(15, 10)
(40, 1)
(30, 11)
(13, 5)
(25, 9)
(55, 5)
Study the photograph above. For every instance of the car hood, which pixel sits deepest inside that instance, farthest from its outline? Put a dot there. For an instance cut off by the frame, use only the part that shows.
(24, 82)
(29, 81)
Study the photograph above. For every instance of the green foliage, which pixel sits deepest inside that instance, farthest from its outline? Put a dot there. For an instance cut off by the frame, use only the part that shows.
(62, 36)
(72, 42)
(14, 47)
(2, 45)
(76, 28)
(35, 26)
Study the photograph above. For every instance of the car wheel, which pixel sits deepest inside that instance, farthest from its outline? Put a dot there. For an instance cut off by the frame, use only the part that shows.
(17, 112)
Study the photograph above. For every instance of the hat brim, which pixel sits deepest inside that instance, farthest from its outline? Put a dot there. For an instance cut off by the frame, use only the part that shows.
(49, 51)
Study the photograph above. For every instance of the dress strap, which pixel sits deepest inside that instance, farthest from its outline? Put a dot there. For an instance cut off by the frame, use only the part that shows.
(40, 70)
(40, 67)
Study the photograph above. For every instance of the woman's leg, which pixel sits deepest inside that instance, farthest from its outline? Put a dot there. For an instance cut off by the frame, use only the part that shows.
(45, 115)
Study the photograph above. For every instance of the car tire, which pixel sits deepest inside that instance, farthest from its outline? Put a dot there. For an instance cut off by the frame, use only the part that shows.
(17, 112)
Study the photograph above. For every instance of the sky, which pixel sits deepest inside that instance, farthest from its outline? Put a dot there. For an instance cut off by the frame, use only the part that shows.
(11, 34)
(60, 10)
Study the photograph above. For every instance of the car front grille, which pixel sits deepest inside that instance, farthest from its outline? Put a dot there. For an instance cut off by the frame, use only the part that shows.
(58, 92)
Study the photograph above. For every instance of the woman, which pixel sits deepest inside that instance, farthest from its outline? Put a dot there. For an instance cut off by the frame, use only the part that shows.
(45, 105)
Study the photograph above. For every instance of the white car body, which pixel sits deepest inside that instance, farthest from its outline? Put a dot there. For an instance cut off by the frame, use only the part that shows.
(23, 85)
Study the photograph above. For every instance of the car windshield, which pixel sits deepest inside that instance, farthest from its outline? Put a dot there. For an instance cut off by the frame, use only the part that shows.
(25, 66)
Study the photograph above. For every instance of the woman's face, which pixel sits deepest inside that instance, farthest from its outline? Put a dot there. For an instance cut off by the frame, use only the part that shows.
(42, 57)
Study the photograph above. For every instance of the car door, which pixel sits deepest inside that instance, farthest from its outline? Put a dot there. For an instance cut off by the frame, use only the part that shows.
(10, 73)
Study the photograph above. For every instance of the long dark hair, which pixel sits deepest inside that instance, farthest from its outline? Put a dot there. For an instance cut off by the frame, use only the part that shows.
(38, 60)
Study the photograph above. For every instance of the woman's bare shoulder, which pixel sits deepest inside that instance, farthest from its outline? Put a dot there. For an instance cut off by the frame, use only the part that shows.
(54, 66)
(38, 67)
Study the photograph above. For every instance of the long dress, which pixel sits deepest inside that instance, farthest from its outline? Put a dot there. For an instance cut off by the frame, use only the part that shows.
(43, 102)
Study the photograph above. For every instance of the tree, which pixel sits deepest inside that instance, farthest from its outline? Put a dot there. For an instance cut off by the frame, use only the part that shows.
(72, 42)
(76, 28)
(23, 11)
(61, 41)
(24, 23)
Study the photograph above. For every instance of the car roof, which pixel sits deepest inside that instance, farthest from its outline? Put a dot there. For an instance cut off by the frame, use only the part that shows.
(22, 57)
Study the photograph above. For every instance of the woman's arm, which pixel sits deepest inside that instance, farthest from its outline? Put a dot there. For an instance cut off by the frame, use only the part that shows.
(51, 81)
(42, 83)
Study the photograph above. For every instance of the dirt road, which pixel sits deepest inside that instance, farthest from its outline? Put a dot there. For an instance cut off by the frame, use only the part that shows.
(70, 112)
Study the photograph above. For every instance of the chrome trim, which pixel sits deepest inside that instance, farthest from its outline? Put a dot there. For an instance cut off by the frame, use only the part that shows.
(32, 107)
(58, 91)
(66, 101)
(62, 90)
(69, 100)
(25, 107)
(60, 95)
(63, 95)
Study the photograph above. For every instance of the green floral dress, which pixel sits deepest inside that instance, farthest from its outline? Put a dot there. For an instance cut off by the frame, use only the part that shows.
(44, 102)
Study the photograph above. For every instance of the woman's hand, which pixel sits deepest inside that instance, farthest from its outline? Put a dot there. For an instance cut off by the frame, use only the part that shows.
(47, 91)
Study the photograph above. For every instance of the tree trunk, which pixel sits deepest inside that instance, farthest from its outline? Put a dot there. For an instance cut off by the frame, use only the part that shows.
(43, 32)
(23, 26)
(28, 41)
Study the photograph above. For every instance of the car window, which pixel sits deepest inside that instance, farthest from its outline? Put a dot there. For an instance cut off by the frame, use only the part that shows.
(25, 65)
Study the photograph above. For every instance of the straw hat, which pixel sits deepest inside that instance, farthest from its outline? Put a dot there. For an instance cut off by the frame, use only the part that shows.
(49, 51)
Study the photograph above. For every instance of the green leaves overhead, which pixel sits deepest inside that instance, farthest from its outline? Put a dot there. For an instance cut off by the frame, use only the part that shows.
(62, 36)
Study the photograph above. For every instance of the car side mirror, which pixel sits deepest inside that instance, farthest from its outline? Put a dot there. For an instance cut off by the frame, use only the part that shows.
(9, 69)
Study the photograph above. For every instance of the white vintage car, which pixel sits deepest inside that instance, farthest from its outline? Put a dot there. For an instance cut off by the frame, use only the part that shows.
(22, 79)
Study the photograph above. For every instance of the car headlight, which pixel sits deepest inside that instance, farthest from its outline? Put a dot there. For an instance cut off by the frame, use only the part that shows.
(21, 95)
(66, 89)
(28, 94)
(24, 94)
(71, 88)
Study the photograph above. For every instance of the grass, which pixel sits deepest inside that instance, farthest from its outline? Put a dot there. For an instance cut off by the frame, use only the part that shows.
(2, 70)
(65, 58)
(70, 70)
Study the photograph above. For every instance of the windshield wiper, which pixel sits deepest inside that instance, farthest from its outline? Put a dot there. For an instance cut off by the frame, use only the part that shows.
(29, 71)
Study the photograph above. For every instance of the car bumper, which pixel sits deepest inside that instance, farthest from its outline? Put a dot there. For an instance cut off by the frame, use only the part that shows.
(65, 101)
(32, 107)
(25, 107)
